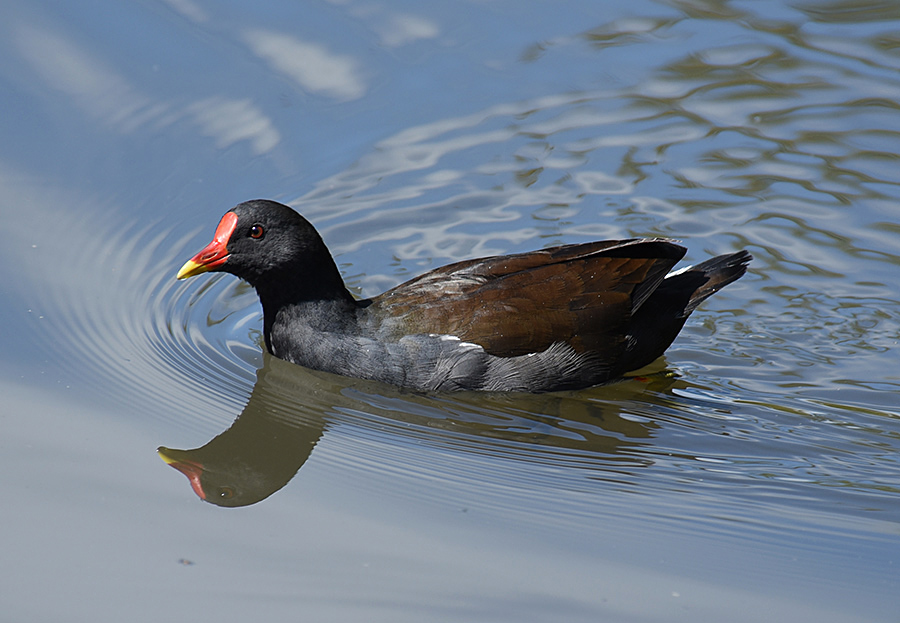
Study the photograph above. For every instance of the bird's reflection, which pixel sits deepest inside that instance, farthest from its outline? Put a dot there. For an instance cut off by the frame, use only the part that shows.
(264, 447)
(290, 407)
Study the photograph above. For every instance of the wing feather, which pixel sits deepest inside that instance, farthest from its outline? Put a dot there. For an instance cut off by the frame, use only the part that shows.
(582, 295)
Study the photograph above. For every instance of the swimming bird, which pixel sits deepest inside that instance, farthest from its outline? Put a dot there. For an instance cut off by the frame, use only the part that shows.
(559, 318)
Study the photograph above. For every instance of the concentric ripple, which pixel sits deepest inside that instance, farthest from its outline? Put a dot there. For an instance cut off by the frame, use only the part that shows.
(149, 343)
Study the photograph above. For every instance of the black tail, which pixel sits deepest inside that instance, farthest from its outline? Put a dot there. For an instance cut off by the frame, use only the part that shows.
(657, 322)
(716, 273)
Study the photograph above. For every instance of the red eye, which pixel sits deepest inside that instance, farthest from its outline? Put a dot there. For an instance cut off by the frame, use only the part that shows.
(256, 231)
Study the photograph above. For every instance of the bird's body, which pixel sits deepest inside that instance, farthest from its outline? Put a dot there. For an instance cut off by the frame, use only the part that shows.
(561, 318)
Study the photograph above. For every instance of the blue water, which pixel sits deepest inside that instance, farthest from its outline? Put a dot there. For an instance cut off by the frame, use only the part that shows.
(752, 475)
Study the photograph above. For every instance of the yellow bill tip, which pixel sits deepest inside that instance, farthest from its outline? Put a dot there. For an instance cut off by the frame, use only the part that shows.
(190, 269)
(166, 455)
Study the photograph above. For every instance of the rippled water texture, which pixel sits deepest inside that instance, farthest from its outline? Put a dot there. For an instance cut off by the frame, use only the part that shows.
(751, 475)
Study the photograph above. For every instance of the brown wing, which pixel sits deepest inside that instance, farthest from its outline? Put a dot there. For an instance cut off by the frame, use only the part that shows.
(511, 305)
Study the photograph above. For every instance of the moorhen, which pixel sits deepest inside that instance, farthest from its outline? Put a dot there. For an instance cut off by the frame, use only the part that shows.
(560, 318)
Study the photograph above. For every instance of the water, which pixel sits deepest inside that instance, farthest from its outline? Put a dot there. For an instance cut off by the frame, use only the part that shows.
(752, 475)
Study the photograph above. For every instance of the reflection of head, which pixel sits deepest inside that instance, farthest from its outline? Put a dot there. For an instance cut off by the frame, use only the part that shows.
(262, 450)
(239, 481)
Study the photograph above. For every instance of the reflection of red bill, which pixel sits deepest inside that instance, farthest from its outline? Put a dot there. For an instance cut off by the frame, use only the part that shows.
(192, 469)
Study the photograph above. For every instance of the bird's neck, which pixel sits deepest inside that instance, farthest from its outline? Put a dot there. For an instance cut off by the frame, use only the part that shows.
(314, 295)
(302, 282)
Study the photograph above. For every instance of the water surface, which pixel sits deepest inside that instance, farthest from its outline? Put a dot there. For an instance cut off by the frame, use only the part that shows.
(750, 475)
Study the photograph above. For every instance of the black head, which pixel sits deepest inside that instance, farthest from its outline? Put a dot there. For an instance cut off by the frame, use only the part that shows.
(274, 248)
